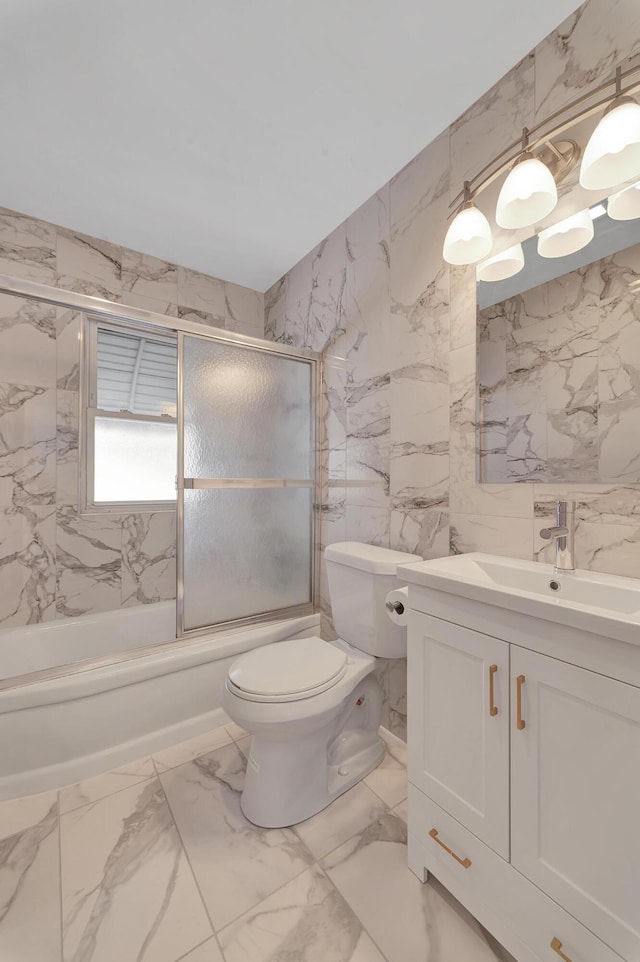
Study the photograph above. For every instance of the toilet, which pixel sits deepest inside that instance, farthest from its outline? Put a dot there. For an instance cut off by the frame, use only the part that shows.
(314, 707)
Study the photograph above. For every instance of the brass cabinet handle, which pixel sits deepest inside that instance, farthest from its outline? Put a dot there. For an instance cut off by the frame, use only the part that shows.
(556, 945)
(520, 722)
(465, 862)
(492, 708)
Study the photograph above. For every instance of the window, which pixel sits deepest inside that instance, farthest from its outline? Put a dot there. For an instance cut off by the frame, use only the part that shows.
(131, 435)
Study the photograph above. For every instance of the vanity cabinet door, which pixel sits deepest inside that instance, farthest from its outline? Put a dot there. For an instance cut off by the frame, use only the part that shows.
(575, 793)
(458, 715)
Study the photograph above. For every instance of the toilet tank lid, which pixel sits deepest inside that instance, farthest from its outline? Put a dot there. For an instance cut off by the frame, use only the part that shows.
(368, 557)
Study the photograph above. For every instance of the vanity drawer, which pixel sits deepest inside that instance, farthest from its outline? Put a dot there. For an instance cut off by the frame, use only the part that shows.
(519, 915)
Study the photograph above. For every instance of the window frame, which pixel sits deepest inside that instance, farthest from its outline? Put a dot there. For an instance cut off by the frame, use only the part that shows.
(89, 411)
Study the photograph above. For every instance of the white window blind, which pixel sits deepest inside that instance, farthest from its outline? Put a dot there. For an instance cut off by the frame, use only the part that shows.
(136, 374)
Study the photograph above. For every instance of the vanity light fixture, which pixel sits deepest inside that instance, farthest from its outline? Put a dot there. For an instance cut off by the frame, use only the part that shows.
(625, 205)
(570, 235)
(598, 211)
(529, 193)
(469, 236)
(613, 152)
(536, 163)
(502, 265)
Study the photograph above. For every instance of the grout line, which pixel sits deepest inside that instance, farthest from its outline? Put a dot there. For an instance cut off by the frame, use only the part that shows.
(96, 801)
(257, 904)
(210, 938)
(352, 910)
(60, 881)
(388, 811)
(187, 761)
(197, 883)
(384, 801)
(193, 874)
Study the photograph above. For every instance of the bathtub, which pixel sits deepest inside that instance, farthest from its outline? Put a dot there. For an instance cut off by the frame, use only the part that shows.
(85, 695)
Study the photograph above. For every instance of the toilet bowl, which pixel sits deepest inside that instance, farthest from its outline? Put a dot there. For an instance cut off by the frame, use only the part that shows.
(314, 707)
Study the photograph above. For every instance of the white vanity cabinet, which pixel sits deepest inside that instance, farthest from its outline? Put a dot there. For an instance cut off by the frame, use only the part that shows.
(524, 775)
(575, 793)
(459, 746)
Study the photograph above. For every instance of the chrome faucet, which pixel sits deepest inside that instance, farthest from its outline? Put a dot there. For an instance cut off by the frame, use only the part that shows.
(563, 535)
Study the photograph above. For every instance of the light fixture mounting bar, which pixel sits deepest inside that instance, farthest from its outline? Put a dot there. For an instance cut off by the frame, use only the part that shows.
(544, 130)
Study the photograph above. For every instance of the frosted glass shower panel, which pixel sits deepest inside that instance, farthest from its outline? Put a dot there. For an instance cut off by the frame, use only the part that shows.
(247, 413)
(248, 551)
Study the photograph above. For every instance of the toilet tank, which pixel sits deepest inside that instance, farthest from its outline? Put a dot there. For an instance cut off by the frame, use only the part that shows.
(360, 577)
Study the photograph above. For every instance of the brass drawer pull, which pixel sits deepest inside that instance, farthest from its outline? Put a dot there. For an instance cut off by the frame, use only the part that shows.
(465, 862)
(520, 722)
(492, 708)
(556, 945)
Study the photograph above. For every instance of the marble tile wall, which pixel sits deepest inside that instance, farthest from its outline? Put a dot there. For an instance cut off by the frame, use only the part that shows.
(398, 330)
(56, 563)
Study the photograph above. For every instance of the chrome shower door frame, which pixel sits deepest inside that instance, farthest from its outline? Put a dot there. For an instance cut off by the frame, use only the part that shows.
(99, 307)
(314, 482)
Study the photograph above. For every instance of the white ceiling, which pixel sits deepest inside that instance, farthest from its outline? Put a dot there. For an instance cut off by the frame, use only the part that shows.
(231, 136)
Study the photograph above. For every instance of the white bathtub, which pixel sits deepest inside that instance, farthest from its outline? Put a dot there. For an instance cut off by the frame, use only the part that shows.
(63, 718)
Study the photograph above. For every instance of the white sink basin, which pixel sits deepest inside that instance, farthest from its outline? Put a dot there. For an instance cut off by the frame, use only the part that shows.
(605, 604)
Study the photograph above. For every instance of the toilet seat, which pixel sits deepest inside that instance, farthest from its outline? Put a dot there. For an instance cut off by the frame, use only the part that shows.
(287, 670)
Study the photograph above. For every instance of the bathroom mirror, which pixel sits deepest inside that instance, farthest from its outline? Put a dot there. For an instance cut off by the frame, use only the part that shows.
(558, 386)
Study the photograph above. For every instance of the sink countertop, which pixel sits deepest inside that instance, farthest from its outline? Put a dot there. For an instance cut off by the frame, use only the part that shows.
(607, 605)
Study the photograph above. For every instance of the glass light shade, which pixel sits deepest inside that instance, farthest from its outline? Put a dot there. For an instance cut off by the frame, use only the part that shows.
(469, 237)
(528, 194)
(503, 265)
(567, 237)
(625, 205)
(613, 152)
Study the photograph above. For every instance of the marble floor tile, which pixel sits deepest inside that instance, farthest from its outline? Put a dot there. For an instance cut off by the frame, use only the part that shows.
(348, 814)
(30, 880)
(235, 731)
(406, 919)
(402, 811)
(194, 747)
(92, 789)
(236, 864)
(130, 891)
(244, 744)
(127, 888)
(306, 920)
(209, 951)
(389, 781)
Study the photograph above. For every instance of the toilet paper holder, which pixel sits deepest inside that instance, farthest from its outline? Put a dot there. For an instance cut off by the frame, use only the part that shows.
(396, 606)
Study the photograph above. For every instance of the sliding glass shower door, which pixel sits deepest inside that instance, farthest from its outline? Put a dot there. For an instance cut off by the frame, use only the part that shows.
(246, 482)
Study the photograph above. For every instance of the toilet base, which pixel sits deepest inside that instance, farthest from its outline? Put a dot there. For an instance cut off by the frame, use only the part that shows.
(263, 801)
(294, 775)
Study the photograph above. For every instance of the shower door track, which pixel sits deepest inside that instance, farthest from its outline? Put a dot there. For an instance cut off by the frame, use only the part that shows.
(100, 307)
